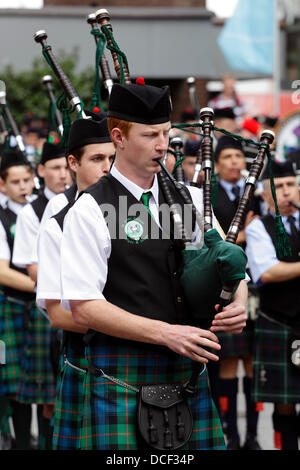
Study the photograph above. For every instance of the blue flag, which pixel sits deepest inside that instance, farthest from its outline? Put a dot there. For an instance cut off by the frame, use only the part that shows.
(246, 39)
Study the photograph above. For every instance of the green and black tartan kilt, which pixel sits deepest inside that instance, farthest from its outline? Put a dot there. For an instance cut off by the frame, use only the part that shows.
(109, 421)
(242, 344)
(37, 381)
(12, 333)
(276, 380)
(237, 345)
(69, 405)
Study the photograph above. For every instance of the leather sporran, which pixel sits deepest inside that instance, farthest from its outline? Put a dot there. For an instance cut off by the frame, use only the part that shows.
(164, 417)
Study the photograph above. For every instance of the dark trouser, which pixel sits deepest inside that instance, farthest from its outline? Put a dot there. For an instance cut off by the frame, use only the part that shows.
(252, 414)
(286, 425)
(21, 416)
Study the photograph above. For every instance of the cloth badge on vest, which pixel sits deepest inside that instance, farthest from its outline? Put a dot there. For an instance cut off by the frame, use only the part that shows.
(50, 152)
(89, 131)
(13, 158)
(140, 103)
(134, 231)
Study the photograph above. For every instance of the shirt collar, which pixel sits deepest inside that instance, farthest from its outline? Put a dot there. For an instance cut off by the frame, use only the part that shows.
(295, 215)
(228, 186)
(133, 188)
(16, 207)
(48, 193)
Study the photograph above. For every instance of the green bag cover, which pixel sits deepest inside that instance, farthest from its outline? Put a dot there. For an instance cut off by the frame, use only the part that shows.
(206, 270)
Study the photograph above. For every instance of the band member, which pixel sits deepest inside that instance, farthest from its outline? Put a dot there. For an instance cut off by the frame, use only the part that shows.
(53, 169)
(228, 97)
(37, 384)
(276, 378)
(90, 154)
(123, 283)
(18, 294)
(225, 118)
(229, 162)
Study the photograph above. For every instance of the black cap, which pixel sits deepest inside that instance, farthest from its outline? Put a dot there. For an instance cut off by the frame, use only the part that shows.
(95, 114)
(191, 147)
(227, 142)
(268, 121)
(140, 103)
(13, 158)
(279, 169)
(295, 158)
(51, 151)
(188, 115)
(224, 113)
(88, 131)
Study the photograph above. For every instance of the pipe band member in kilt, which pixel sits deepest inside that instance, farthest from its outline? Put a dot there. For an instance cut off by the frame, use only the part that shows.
(276, 378)
(121, 281)
(16, 177)
(90, 154)
(229, 162)
(38, 380)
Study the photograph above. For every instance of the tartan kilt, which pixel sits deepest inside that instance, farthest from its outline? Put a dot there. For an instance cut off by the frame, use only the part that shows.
(109, 421)
(12, 333)
(68, 409)
(37, 381)
(237, 345)
(275, 379)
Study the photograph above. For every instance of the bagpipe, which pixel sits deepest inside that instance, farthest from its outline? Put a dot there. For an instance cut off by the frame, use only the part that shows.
(9, 120)
(11, 129)
(48, 82)
(212, 273)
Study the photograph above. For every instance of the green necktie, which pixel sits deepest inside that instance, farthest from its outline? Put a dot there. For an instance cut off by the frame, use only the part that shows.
(145, 200)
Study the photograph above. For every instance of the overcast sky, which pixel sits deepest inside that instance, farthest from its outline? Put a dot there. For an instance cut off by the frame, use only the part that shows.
(222, 8)
(21, 3)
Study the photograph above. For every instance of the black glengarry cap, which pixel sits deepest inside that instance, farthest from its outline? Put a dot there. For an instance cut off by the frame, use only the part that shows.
(144, 104)
(227, 142)
(279, 169)
(89, 131)
(50, 152)
(13, 158)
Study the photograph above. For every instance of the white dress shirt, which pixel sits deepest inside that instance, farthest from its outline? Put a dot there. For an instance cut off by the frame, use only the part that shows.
(86, 243)
(4, 246)
(48, 252)
(228, 187)
(27, 228)
(260, 249)
(54, 206)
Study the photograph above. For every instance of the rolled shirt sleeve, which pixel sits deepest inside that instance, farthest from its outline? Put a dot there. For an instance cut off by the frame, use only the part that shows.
(4, 246)
(259, 249)
(85, 250)
(27, 227)
(48, 249)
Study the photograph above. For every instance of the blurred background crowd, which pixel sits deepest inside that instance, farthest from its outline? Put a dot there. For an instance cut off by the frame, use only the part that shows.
(200, 54)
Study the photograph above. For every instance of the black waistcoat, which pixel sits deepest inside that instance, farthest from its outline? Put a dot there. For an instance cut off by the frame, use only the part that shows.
(226, 209)
(39, 205)
(281, 300)
(8, 219)
(143, 276)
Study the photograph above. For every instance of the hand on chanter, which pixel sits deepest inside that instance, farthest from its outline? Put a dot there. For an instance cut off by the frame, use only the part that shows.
(191, 342)
(232, 319)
